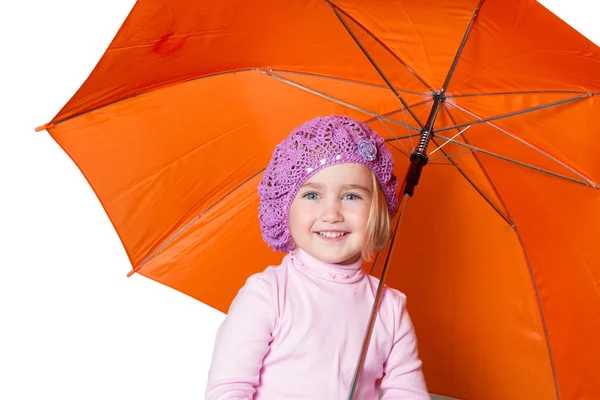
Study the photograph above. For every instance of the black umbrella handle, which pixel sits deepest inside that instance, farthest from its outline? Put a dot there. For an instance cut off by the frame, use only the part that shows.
(418, 159)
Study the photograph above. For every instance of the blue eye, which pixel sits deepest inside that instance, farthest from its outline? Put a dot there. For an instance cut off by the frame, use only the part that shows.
(351, 196)
(311, 196)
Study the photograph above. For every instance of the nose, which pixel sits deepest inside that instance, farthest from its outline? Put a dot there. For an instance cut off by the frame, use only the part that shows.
(332, 212)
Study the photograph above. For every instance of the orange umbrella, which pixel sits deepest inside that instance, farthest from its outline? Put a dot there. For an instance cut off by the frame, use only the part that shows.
(498, 250)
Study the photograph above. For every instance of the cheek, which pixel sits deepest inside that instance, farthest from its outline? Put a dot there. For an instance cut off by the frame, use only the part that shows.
(299, 218)
(360, 216)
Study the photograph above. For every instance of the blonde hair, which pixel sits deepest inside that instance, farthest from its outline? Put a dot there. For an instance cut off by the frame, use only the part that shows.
(378, 224)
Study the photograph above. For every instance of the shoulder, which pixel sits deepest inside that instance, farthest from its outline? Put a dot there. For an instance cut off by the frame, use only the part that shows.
(260, 293)
(396, 296)
(393, 302)
(266, 284)
(397, 302)
(390, 295)
(270, 277)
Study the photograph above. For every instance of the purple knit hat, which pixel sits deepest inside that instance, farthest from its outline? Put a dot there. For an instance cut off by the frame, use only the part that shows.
(317, 144)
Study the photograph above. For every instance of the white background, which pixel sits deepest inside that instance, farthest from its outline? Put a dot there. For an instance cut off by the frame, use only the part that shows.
(72, 326)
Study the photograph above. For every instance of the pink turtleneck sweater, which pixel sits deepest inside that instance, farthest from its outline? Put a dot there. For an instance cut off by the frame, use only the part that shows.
(295, 332)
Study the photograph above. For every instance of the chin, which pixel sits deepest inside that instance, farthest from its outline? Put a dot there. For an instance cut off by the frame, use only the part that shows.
(327, 256)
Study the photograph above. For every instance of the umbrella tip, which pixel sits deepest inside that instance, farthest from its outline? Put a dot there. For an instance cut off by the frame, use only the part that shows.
(133, 271)
(44, 127)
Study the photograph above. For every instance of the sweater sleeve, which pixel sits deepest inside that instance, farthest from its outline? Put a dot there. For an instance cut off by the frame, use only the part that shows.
(242, 342)
(403, 377)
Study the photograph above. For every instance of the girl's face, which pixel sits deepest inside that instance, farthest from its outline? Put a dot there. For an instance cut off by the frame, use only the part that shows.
(328, 217)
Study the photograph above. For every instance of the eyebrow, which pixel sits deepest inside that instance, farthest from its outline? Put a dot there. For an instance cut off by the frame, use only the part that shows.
(312, 185)
(347, 186)
(356, 187)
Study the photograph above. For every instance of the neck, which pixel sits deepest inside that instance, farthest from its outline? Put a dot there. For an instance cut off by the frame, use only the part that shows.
(347, 272)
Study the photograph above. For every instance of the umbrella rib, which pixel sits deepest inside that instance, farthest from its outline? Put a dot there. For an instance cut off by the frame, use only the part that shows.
(509, 222)
(514, 114)
(455, 155)
(432, 161)
(525, 255)
(522, 164)
(539, 304)
(478, 161)
(383, 45)
(508, 159)
(461, 47)
(412, 145)
(517, 93)
(394, 135)
(556, 160)
(336, 100)
(527, 261)
(154, 88)
(439, 147)
(470, 182)
(372, 61)
(144, 91)
(403, 152)
(186, 226)
(337, 78)
(506, 219)
(397, 110)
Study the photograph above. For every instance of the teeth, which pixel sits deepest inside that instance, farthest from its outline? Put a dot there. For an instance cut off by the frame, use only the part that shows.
(332, 234)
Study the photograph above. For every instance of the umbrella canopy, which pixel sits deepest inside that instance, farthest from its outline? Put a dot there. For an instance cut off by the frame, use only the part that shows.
(498, 249)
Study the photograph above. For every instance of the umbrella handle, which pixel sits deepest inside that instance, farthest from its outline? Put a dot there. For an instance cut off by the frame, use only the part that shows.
(418, 161)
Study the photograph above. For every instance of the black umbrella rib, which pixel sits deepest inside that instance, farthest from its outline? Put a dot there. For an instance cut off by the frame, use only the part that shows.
(419, 157)
(554, 159)
(401, 151)
(383, 45)
(461, 47)
(166, 243)
(514, 114)
(336, 100)
(366, 53)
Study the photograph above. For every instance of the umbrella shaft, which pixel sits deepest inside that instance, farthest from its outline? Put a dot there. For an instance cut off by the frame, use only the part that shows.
(427, 131)
(418, 159)
(376, 304)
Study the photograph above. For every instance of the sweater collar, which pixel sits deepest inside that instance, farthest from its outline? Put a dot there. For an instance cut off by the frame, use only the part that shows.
(310, 265)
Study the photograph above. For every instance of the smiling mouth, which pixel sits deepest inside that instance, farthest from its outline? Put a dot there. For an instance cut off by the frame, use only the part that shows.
(332, 235)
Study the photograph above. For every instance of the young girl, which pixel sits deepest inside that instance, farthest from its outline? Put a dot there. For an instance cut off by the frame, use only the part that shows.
(295, 331)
